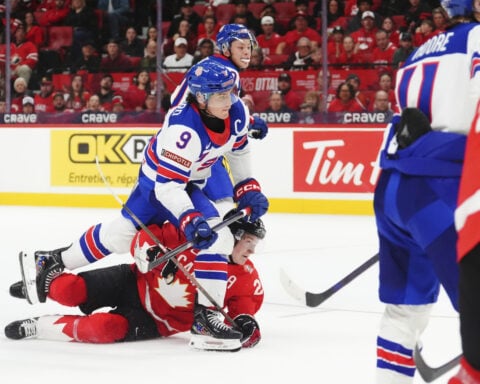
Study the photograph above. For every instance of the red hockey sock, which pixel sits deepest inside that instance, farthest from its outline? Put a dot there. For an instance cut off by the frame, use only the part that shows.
(68, 289)
(97, 328)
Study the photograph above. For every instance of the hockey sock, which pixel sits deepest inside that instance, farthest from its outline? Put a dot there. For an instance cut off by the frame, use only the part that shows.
(98, 328)
(68, 289)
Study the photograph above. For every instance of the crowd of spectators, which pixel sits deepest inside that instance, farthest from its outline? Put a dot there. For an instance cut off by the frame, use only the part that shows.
(111, 36)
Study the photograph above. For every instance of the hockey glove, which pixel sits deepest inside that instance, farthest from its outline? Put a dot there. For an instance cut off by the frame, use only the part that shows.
(250, 330)
(143, 257)
(196, 229)
(248, 194)
(258, 128)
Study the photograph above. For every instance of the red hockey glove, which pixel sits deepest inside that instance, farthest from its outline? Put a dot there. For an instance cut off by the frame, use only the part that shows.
(250, 329)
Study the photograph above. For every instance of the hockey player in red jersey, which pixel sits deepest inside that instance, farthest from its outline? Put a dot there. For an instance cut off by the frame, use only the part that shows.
(148, 305)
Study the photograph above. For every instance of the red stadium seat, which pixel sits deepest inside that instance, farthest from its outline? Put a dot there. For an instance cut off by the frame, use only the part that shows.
(165, 27)
(224, 13)
(200, 9)
(256, 8)
(285, 11)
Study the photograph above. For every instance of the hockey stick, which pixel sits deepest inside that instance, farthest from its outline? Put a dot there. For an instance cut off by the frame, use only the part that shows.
(189, 276)
(315, 299)
(189, 244)
(428, 373)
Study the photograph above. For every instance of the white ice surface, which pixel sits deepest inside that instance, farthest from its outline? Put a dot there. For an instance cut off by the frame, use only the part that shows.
(333, 343)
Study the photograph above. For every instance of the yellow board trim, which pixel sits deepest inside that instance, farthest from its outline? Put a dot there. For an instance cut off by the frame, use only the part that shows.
(341, 207)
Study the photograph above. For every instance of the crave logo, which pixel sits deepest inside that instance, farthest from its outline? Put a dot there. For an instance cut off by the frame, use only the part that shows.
(341, 161)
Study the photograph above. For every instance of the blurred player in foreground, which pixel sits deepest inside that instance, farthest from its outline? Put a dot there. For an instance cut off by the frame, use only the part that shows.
(437, 91)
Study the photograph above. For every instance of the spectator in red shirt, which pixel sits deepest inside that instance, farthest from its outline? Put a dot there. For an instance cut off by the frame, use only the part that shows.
(28, 105)
(20, 90)
(424, 32)
(55, 13)
(345, 100)
(43, 99)
(385, 83)
(287, 46)
(382, 56)
(440, 19)
(364, 37)
(335, 45)
(330, 91)
(24, 55)
(269, 39)
(389, 26)
(33, 32)
(137, 92)
(292, 100)
(76, 95)
(360, 96)
(349, 54)
(115, 60)
(303, 7)
(208, 29)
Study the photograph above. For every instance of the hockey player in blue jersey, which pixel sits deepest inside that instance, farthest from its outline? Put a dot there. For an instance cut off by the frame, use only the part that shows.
(212, 123)
(235, 44)
(437, 91)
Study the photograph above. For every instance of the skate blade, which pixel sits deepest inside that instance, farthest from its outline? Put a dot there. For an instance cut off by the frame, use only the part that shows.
(208, 343)
(29, 276)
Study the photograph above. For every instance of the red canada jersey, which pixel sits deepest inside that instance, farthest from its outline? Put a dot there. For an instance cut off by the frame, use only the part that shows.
(171, 305)
(467, 214)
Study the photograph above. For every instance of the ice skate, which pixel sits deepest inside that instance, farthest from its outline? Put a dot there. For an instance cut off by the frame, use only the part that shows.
(39, 271)
(18, 290)
(22, 329)
(210, 333)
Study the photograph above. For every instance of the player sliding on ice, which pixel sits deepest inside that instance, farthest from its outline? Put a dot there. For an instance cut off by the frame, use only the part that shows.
(159, 303)
(212, 123)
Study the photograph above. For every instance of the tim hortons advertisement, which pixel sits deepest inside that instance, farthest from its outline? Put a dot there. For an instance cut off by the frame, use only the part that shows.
(336, 161)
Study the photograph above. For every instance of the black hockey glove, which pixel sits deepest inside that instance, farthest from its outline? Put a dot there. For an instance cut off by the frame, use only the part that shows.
(250, 329)
(169, 271)
(412, 125)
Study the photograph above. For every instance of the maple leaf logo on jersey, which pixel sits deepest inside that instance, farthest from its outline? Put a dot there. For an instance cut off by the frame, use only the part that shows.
(175, 294)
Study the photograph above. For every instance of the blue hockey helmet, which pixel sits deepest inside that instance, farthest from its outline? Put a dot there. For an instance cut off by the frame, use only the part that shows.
(457, 7)
(231, 32)
(209, 77)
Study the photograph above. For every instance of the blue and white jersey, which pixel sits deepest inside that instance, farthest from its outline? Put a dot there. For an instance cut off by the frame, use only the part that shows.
(180, 94)
(441, 78)
(184, 150)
